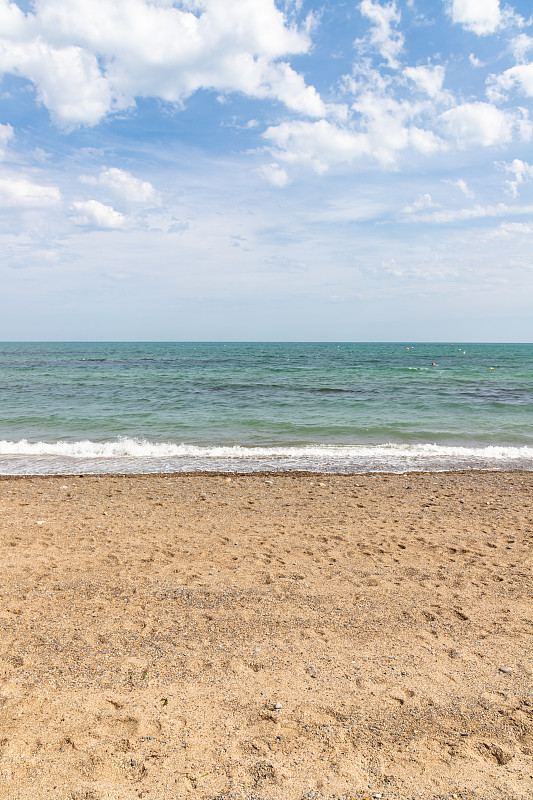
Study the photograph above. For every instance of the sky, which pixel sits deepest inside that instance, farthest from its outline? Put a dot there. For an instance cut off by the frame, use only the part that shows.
(260, 170)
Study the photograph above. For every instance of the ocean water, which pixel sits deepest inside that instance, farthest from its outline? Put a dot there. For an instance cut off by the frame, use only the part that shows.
(346, 407)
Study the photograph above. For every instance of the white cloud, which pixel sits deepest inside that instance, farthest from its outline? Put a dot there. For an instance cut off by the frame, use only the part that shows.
(521, 171)
(479, 16)
(475, 61)
(88, 60)
(22, 193)
(391, 114)
(6, 134)
(390, 119)
(462, 186)
(124, 186)
(319, 145)
(68, 79)
(383, 35)
(508, 228)
(519, 76)
(474, 212)
(323, 145)
(524, 124)
(12, 19)
(472, 124)
(380, 126)
(93, 214)
(384, 124)
(422, 201)
(426, 142)
(274, 174)
(428, 79)
(512, 19)
(521, 45)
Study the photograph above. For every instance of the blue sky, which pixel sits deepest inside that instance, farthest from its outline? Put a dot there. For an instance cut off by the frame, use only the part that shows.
(245, 169)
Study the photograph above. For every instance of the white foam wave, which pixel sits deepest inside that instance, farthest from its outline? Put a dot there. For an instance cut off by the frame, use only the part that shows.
(139, 455)
(140, 448)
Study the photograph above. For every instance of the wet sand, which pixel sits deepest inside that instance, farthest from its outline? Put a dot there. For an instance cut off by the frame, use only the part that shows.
(270, 636)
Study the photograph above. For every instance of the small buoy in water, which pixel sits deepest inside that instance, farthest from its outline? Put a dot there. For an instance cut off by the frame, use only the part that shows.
(491, 367)
(433, 364)
(407, 348)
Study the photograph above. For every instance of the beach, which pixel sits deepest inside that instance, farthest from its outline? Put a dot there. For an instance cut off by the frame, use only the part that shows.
(270, 636)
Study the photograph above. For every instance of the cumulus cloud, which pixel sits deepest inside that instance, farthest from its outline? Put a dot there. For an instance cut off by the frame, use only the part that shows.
(427, 79)
(475, 61)
(392, 113)
(423, 201)
(319, 145)
(325, 145)
(519, 77)
(93, 214)
(87, 60)
(124, 186)
(386, 125)
(388, 115)
(379, 126)
(462, 186)
(478, 123)
(21, 193)
(274, 174)
(6, 134)
(424, 141)
(521, 45)
(521, 171)
(479, 16)
(384, 36)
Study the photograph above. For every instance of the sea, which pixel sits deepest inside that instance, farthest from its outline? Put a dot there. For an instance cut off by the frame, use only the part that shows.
(346, 407)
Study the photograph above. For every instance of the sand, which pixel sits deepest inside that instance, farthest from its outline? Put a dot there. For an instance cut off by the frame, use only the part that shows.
(266, 636)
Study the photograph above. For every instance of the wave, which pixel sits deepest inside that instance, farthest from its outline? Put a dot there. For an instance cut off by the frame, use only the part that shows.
(124, 447)
(139, 455)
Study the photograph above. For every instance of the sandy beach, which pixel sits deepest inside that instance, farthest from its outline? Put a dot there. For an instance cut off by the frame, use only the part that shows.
(268, 636)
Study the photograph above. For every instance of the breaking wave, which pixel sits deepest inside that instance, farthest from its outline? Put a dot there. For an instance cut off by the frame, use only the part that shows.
(138, 455)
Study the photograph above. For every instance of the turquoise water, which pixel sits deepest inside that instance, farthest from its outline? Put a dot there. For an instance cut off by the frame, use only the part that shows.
(141, 407)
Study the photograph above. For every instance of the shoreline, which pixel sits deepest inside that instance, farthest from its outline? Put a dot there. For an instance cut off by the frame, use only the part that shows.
(139, 456)
(265, 473)
(267, 635)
